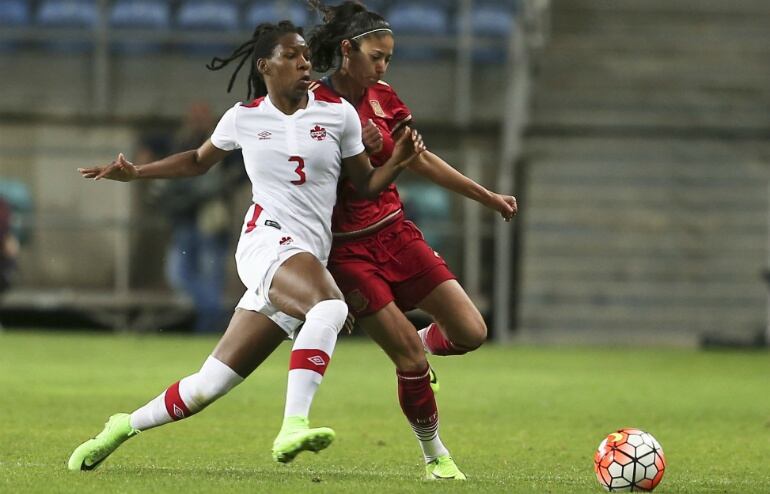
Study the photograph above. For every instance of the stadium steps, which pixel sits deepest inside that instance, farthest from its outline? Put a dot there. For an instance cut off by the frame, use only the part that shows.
(637, 235)
(676, 64)
(646, 210)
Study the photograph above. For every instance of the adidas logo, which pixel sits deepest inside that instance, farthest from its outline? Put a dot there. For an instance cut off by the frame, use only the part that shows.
(317, 360)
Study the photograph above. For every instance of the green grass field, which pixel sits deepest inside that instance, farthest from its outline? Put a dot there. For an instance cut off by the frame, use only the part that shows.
(516, 419)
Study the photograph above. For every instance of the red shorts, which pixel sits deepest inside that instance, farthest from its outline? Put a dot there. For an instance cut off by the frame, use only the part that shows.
(393, 264)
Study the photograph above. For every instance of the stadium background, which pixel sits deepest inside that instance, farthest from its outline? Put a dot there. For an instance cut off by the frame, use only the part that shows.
(633, 133)
(635, 136)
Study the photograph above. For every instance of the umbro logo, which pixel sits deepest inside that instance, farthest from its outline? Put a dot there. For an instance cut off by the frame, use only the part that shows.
(286, 241)
(264, 135)
(318, 133)
(317, 360)
(178, 412)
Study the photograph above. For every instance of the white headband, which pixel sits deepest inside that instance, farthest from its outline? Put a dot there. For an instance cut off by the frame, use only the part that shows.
(373, 31)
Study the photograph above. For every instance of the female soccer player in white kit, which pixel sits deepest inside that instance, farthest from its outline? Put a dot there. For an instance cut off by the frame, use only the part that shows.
(296, 143)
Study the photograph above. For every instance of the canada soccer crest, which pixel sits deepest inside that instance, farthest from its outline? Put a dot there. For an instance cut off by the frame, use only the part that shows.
(318, 133)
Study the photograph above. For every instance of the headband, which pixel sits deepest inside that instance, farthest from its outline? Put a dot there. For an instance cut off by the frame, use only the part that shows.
(373, 31)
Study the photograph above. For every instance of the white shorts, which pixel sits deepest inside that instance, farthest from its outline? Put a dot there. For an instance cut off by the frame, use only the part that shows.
(261, 250)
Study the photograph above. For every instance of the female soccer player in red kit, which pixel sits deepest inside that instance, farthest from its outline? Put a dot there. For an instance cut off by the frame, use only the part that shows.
(296, 142)
(380, 260)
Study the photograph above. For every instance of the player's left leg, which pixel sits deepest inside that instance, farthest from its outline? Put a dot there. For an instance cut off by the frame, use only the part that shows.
(248, 341)
(393, 332)
(458, 327)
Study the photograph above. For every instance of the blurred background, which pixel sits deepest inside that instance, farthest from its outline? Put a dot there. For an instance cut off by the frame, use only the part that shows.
(636, 136)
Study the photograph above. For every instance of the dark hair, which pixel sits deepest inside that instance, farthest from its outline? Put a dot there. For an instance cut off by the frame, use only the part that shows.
(261, 45)
(345, 21)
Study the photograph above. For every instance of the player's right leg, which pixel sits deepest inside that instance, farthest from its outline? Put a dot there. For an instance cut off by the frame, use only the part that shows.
(304, 289)
(249, 339)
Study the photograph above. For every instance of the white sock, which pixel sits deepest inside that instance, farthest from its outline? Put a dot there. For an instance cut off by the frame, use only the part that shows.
(187, 396)
(310, 355)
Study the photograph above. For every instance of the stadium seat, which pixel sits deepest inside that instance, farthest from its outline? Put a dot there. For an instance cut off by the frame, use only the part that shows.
(74, 14)
(14, 13)
(418, 18)
(139, 14)
(68, 13)
(208, 15)
(491, 21)
(274, 11)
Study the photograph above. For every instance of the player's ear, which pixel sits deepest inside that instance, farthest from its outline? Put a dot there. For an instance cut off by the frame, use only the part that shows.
(262, 66)
(345, 47)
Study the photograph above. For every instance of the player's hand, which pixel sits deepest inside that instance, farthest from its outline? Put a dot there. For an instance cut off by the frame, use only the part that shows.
(121, 170)
(505, 205)
(409, 145)
(372, 138)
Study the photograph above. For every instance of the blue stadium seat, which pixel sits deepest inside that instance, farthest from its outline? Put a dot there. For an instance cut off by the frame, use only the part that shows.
(14, 13)
(139, 14)
(274, 11)
(68, 13)
(492, 20)
(208, 15)
(418, 18)
(75, 14)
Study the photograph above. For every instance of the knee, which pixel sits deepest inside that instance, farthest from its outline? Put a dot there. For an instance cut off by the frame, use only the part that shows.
(333, 311)
(472, 336)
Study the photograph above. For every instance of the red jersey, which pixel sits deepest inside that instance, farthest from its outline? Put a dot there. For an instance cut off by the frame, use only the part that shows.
(381, 104)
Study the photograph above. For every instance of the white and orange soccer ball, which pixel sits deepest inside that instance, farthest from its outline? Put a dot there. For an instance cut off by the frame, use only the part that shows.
(629, 460)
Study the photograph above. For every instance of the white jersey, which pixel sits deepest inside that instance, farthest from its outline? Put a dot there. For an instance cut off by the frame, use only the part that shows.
(294, 161)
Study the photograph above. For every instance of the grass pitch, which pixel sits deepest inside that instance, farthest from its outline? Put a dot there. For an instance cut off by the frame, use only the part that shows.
(516, 419)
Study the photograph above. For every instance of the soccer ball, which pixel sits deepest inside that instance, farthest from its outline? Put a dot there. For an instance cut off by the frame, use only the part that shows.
(629, 460)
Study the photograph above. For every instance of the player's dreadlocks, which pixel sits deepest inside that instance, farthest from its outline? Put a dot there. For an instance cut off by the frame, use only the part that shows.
(349, 20)
(261, 45)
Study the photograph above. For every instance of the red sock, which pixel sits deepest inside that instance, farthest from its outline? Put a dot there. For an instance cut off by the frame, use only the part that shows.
(418, 403)
(438, 344)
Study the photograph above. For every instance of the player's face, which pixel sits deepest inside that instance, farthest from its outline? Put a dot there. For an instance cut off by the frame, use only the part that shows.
(288, 68)
(370, 63)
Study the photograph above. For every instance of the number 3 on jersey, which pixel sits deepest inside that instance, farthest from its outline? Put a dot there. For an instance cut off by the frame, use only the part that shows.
(300, 170)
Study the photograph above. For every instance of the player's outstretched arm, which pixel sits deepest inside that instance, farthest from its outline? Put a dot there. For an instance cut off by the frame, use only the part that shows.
(185, 164)
(370, 181)
(442, 173)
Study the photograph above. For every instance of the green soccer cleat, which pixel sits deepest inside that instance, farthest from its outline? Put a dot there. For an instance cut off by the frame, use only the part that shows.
(93, 452)
(295, 437)
(434, 384)
(443, 468)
